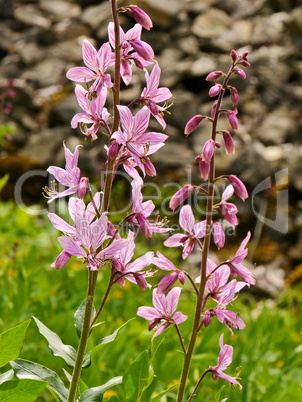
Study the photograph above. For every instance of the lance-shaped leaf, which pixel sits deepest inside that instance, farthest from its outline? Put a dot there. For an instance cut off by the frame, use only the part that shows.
(11, 342)
(96, 394)
(79, 317)
(57, 347)
(159, 396)
(21, 390)
(107, 339)
(8, 375)
(138, 377)
(34, 371)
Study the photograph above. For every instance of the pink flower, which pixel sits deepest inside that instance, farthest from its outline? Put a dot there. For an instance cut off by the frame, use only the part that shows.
(138, 143)
(228, 209)
(218, 234)
(193, 123)
(69, 177)
(224, 360)
(195, 231)
(133, 50)
(140, 16)
(152, 95)
(97, 63)
(90, 237)
(168, 281)
(95, 113)
(163, 312)
(235, 263)
(180, 196)
(123, 269)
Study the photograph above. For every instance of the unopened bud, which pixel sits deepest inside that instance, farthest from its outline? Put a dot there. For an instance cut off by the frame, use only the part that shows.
(180, 196)
(228, 142)
(234, 95)
(140, 16)
(82, 187)
(208, 150)
(234, 55)
(193, 123)
(113, 150)
(214, 75)
(233, 118)
(239, 187)
(214, 91)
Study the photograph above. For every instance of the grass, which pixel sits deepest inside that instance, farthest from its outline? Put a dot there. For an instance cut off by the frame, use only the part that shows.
(269, 349)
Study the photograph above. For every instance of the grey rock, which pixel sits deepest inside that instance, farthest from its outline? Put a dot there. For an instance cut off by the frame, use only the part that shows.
(7, 8)
(30, 15)
(58, 9)
(211, 23)
(45, 73)
(96, 16)
(269, 29)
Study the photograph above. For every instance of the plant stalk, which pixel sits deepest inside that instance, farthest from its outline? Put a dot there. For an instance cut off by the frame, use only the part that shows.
(77, 370)
(205, 253)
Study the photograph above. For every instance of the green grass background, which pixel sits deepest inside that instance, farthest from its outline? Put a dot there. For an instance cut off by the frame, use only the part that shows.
(269, 350)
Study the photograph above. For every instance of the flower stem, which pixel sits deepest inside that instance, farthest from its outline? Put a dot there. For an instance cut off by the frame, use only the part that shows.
(103, 302)
(205, 253)
(77, 370)
(180, 338)
(197, 385)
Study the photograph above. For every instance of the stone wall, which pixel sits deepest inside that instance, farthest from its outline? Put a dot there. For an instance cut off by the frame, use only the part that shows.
(40, 40)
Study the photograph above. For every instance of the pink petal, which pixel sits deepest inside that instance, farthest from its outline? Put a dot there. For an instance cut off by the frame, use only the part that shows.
(172, 299)
(89, 55)
(60, 224)
(71, 247)
(186, 218)
(80, 74)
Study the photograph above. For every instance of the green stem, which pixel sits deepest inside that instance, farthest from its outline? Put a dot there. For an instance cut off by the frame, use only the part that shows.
(197, 385)
(77, 370)
(103, 302)
(205, 253)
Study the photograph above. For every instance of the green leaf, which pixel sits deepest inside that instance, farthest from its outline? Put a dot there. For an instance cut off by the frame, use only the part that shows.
(107, 339)
(159, 396)
(34, 371)
(79, 317)
(218, 394)
(57, 347)
(8, 375)
(96, 394)
(82, 385)
(114, 399)
(138, 377)
(11, 342)
(21, 390)
(3, 181)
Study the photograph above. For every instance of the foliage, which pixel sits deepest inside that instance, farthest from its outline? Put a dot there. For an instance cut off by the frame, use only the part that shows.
(269, 348)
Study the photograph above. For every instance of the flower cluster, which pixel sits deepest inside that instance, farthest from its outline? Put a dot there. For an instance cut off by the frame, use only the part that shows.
(94, 239)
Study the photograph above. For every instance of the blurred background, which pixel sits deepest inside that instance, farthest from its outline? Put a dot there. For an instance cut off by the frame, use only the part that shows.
(41, 40)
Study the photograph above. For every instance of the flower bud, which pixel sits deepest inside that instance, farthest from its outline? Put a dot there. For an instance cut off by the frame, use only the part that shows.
(140, 16)
(214, 91)
(240, 73)
(239, 187)
(228, 142)
(234, 95)
(180, 196)
(208, 150)
(82, 187)
(214, 75)
(193, 123)
(213, 110)
(233, 118)
(113, 150)
(204, 167)
(234, 55)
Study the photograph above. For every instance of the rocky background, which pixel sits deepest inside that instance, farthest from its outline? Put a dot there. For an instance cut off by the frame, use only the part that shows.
(40, 40)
